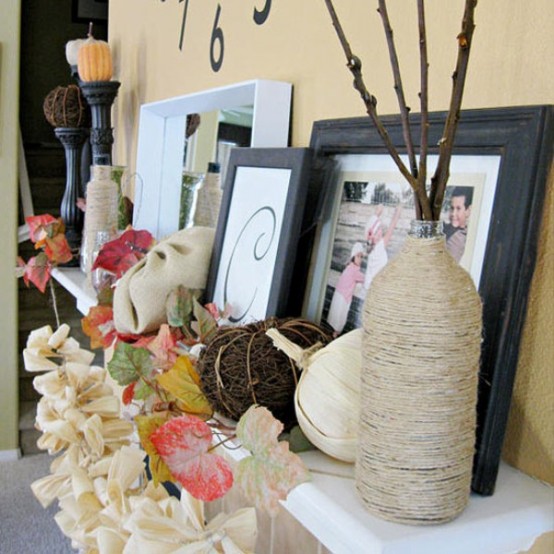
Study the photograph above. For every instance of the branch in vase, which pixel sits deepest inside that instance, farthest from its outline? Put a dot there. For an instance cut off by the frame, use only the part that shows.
(446, 144)
(355, 66)
(404, 108)
(398, 88)
(423, 96)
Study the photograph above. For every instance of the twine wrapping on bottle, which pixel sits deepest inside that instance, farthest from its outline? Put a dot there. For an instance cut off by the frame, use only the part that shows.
(421, 348)
(101, 211)
(208, 201)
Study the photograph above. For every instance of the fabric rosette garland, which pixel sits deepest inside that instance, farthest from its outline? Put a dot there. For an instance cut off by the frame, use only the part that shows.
(106, 504)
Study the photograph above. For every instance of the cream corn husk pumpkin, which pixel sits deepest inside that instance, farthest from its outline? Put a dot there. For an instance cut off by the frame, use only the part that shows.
(327, 398)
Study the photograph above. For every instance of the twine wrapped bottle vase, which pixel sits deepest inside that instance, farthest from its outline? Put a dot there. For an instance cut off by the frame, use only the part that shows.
(421, 349)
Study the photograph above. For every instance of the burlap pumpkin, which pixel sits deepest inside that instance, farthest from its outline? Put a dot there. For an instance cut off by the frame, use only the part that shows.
(140, 295)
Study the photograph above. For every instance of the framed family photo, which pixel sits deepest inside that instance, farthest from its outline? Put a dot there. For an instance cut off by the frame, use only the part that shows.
(258, 237)
(491, 217)
(372, 208)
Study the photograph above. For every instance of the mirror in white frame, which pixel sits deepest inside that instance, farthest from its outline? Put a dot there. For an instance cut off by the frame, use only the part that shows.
(161, 142)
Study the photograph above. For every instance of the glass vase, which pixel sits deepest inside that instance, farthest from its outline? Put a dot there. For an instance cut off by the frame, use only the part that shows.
(190, 183)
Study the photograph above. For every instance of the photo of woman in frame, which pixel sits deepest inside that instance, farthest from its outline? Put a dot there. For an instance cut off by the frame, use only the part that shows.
(373, 220)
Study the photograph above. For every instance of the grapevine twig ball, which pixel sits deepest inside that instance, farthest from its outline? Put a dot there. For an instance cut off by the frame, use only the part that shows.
(240, 367)
(66, 107)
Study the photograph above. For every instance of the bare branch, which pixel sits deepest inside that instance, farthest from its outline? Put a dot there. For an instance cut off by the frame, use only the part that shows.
(398, 88)
(355, 66)
(423, 96)
(446, 144)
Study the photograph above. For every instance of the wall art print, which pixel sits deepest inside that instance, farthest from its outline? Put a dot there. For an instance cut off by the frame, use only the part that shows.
(258, 232)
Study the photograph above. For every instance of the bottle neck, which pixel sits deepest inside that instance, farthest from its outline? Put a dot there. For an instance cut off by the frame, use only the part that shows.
(101, 172)
(425, 229)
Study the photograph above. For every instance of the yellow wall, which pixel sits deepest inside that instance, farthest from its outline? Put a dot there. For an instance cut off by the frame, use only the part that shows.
(510, 65)
(9, 126)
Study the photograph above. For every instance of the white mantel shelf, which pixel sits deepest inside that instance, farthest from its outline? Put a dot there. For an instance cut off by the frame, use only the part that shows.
(328, 506)
(75, 281)
(507, 522)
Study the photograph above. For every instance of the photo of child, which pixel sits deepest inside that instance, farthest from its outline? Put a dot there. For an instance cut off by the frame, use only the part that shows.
(455, 229)
(372, 222)
(344, 291)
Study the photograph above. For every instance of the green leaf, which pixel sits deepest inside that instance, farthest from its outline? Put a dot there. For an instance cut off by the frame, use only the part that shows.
(298, 441)
(105, 296)
(143, 390)
(206, 323)
(179, 306)
(129, 363)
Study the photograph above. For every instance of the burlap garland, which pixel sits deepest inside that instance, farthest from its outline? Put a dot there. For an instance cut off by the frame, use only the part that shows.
(421, 348)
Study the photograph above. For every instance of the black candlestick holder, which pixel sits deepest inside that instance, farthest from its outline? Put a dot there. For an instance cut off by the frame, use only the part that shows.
(72, 139)
(100, 96)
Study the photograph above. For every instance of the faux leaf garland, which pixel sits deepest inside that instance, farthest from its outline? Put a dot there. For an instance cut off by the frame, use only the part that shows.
(47, 233)
(106, 504)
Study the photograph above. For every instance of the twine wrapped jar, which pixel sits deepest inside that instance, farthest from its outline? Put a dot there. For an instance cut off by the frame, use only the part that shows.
(421, 348)
(101, 212)
(209, 198)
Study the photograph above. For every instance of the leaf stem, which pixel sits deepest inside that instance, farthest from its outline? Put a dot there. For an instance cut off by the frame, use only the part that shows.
(54, 301)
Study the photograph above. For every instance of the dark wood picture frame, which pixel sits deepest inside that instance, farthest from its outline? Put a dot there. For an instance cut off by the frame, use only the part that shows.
(290, 267)
(524, 139)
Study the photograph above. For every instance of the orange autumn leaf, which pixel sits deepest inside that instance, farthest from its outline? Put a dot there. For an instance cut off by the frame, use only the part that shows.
(40, 226)
(163, 347)
(57, 249)
(128, 393)
(98, 325)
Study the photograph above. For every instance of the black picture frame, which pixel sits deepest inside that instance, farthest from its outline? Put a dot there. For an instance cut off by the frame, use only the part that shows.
(523, 137)
(291, 255)
(85, 11)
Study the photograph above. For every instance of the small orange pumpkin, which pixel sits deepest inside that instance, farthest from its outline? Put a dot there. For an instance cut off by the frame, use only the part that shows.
(94, 60)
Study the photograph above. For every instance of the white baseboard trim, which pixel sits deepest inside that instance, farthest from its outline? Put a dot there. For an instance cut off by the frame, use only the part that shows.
(10, 455)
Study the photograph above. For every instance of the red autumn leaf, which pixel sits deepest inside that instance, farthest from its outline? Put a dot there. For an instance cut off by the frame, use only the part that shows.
(99, 326)
(128, 393)
(57, 249)
(37, 271)
(122, 253)
(183, 444)
(37, 226)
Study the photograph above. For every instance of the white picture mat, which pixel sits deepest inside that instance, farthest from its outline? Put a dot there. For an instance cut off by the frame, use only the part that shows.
(243, 280)
(479, 172)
